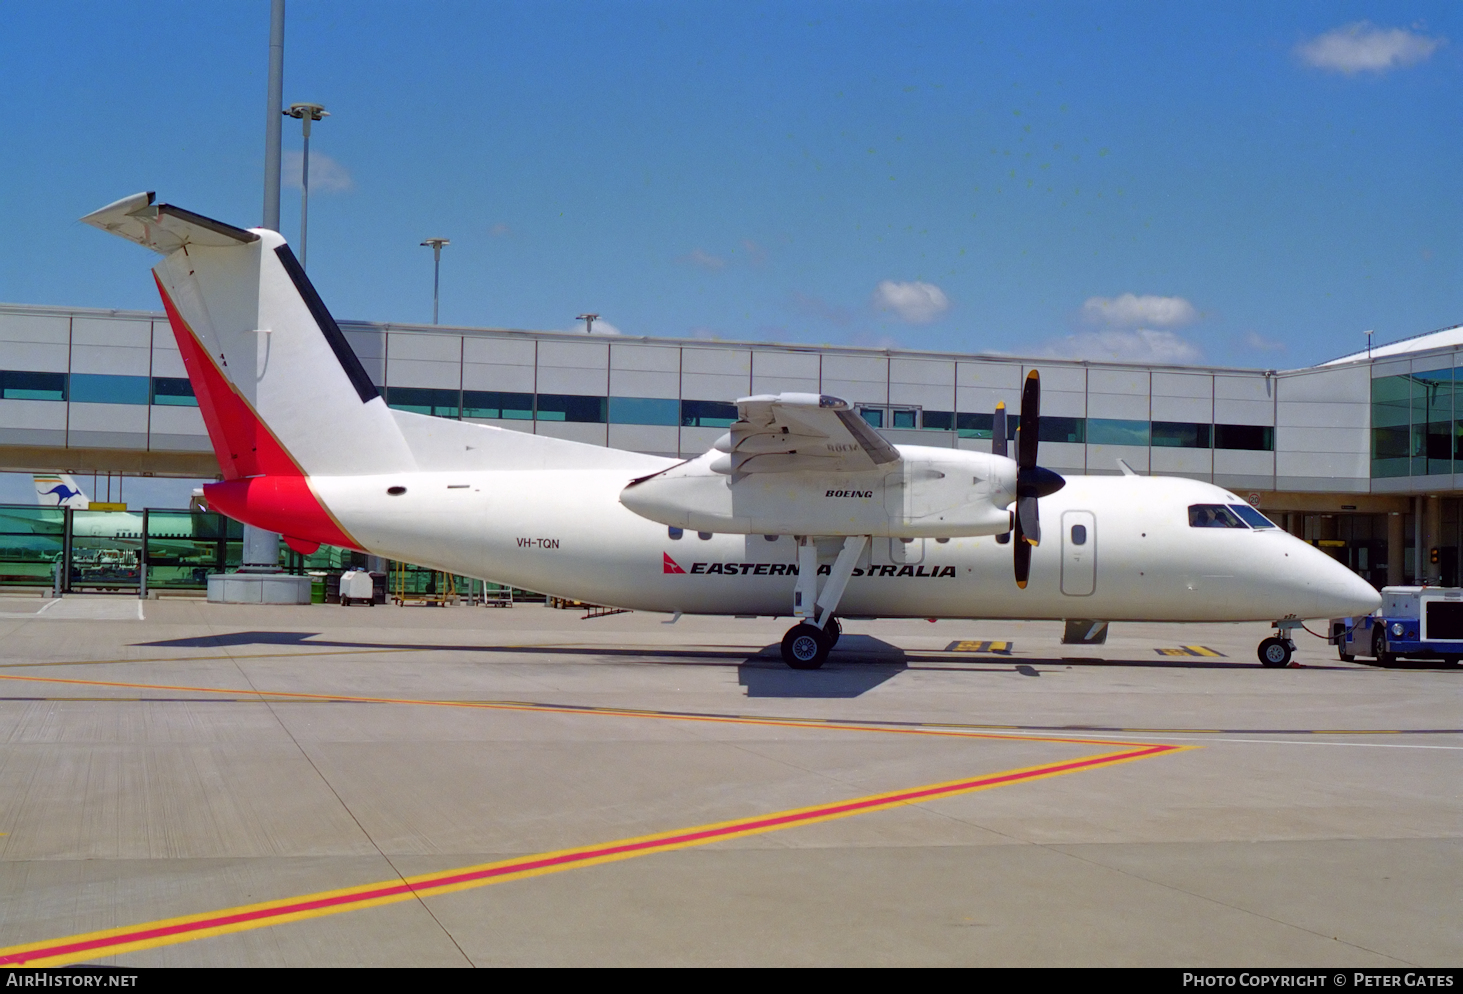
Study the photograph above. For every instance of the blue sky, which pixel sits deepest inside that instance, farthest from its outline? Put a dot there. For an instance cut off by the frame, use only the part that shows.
(1247, 184)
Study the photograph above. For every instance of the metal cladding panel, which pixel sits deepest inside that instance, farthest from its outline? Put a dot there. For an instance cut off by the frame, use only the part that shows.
(111, 332)
(41, 414)
(177, 421)
(1194, 386)
(1191, 409)
(695, 441)
(1058, 404)
(982, 400)
(973, 444)
(1352, 382)
(660, 440)
(785, 372)
(1243, 462)
(1119, 381)
(1127, 407)
(575, 355)
(36, 329)
(1002, 376)
(106, 440)
(1167, 461)
(1255, 387)
(926, 372)
(433, 348)
(1324, 484)
(716, 374)
(107, 418)
(370, 349)
(1335, 465)
(856, 378)
(1072, 379)
(166, 359)
(111, 360)
(645, 358)
(639, 383)
(1391, 367)
(1064, 457)
(33, 436)
(510, 379)
(35, 356)
(927, 396)
(582, 370)
(1244, 412)
(575, 431)
(164, 442)
(1239, 482)
(1318, 414)
(423, 373)
(500, 350)
(1102, 460)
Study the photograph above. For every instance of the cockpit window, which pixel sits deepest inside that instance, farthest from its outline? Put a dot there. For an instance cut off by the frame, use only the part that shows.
(1251, 517)
(1213, 516)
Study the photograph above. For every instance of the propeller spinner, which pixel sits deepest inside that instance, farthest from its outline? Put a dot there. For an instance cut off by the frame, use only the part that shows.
(1032, 481)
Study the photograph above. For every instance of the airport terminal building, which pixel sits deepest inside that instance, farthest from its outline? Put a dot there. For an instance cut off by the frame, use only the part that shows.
(1358, 455)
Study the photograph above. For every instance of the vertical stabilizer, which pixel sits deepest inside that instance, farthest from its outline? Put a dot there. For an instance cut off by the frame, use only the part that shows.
(59, 490)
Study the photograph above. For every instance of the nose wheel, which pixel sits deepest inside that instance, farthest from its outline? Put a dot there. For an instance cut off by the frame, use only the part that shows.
(1275, 653)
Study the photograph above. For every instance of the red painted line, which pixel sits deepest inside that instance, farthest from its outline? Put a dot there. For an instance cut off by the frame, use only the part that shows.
(530, 864)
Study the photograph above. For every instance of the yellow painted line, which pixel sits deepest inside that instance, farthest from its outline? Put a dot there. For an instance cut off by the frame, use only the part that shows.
(1190, 650)
(570, 709)
(982, 645)
(171, 931)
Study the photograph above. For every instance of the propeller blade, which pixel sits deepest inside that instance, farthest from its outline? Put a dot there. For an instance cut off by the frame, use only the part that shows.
(1026, 514)
(1029, 433)
(998, 429)
(1021, 556)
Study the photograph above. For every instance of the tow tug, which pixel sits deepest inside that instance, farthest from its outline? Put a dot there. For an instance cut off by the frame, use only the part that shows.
(1412, 623)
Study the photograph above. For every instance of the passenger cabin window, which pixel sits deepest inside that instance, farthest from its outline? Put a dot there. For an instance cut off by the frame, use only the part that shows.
(1213, 516)
(1079, 534)
(1252, 517)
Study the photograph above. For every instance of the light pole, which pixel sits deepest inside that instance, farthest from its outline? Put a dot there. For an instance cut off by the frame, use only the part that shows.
(305, 113)
(436, 244)
(1369, 344)
(588, 320)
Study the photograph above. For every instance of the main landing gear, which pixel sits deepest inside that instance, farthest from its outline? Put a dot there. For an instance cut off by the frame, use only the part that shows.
(806, 644)
(1275, 652)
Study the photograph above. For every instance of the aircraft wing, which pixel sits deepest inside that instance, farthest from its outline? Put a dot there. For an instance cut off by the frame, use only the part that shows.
(799, 432)
(164, 228)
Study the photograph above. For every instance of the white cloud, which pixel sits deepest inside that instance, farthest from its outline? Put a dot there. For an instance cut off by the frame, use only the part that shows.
(326, 175)
(756, 254)
(1132, 311)
(1364, 47)
(1141, 345)
(705, 260)
(500, 230)
(601, 327)
(1259, 343)
(912, 303)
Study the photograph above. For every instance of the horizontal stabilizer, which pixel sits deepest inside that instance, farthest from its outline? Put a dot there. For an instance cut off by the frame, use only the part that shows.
(163, 227)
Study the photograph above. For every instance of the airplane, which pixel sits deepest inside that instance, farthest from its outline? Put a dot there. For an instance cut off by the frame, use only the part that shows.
(801, 510)
(113, 530)
(63, 488)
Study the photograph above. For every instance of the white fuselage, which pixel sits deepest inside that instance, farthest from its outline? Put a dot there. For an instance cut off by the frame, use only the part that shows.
(565, 532)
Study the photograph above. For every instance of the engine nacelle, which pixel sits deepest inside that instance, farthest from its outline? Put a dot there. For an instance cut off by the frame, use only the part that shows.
(927, 493)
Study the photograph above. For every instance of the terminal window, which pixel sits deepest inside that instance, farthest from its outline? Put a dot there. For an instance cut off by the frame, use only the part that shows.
(497, 404)
(644, 411)
(1256, 438)
(23, 385)
(707, 414)
(173, 391)
(1180, 435)
(100, 388)
(571, 407)
(1112, 431)
(424, 400)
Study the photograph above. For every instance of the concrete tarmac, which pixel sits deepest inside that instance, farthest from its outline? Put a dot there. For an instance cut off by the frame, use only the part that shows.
(320, 786)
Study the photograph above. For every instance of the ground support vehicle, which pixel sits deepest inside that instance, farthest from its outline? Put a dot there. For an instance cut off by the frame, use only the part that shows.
(1412, 623)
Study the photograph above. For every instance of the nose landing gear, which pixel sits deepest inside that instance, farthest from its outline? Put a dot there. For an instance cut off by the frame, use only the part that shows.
(1275, 652)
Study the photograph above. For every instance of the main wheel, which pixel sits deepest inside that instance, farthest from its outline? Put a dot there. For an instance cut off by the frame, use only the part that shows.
(805, 647)
(1379, 648)
(1274, 653)
(833, 630)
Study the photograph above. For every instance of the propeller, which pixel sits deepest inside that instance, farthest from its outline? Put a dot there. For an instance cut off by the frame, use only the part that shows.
(1032, 481)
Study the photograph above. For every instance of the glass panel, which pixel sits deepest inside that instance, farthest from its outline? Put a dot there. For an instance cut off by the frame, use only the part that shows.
(422, 400)
(707, 414)
(905, 419)
(496, 404)
(173, 391)
(106, 548)
(20, 385)
(569, 407)
(1110, 431)
(30, 544)
(873, 416)
(1079, 534)
(644, 411)
(1391, 415)
(979, 425)
(184, 547)
(1433, 406)
(1213, 516)
(1257, 438)
(1180, 435)
(1063, 429)
(1251, 517)
(940, 420)
(96, 388)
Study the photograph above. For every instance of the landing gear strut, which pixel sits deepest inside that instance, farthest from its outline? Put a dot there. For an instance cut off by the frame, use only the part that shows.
(1275, 652)
(806, 644)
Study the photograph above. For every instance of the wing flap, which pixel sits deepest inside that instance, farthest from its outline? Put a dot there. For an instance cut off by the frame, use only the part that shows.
(796, 432)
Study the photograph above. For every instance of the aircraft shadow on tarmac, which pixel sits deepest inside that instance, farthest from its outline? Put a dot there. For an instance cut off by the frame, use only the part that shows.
(858, 664)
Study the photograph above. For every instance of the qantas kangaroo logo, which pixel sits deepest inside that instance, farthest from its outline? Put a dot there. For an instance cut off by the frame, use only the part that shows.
(670, 565)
